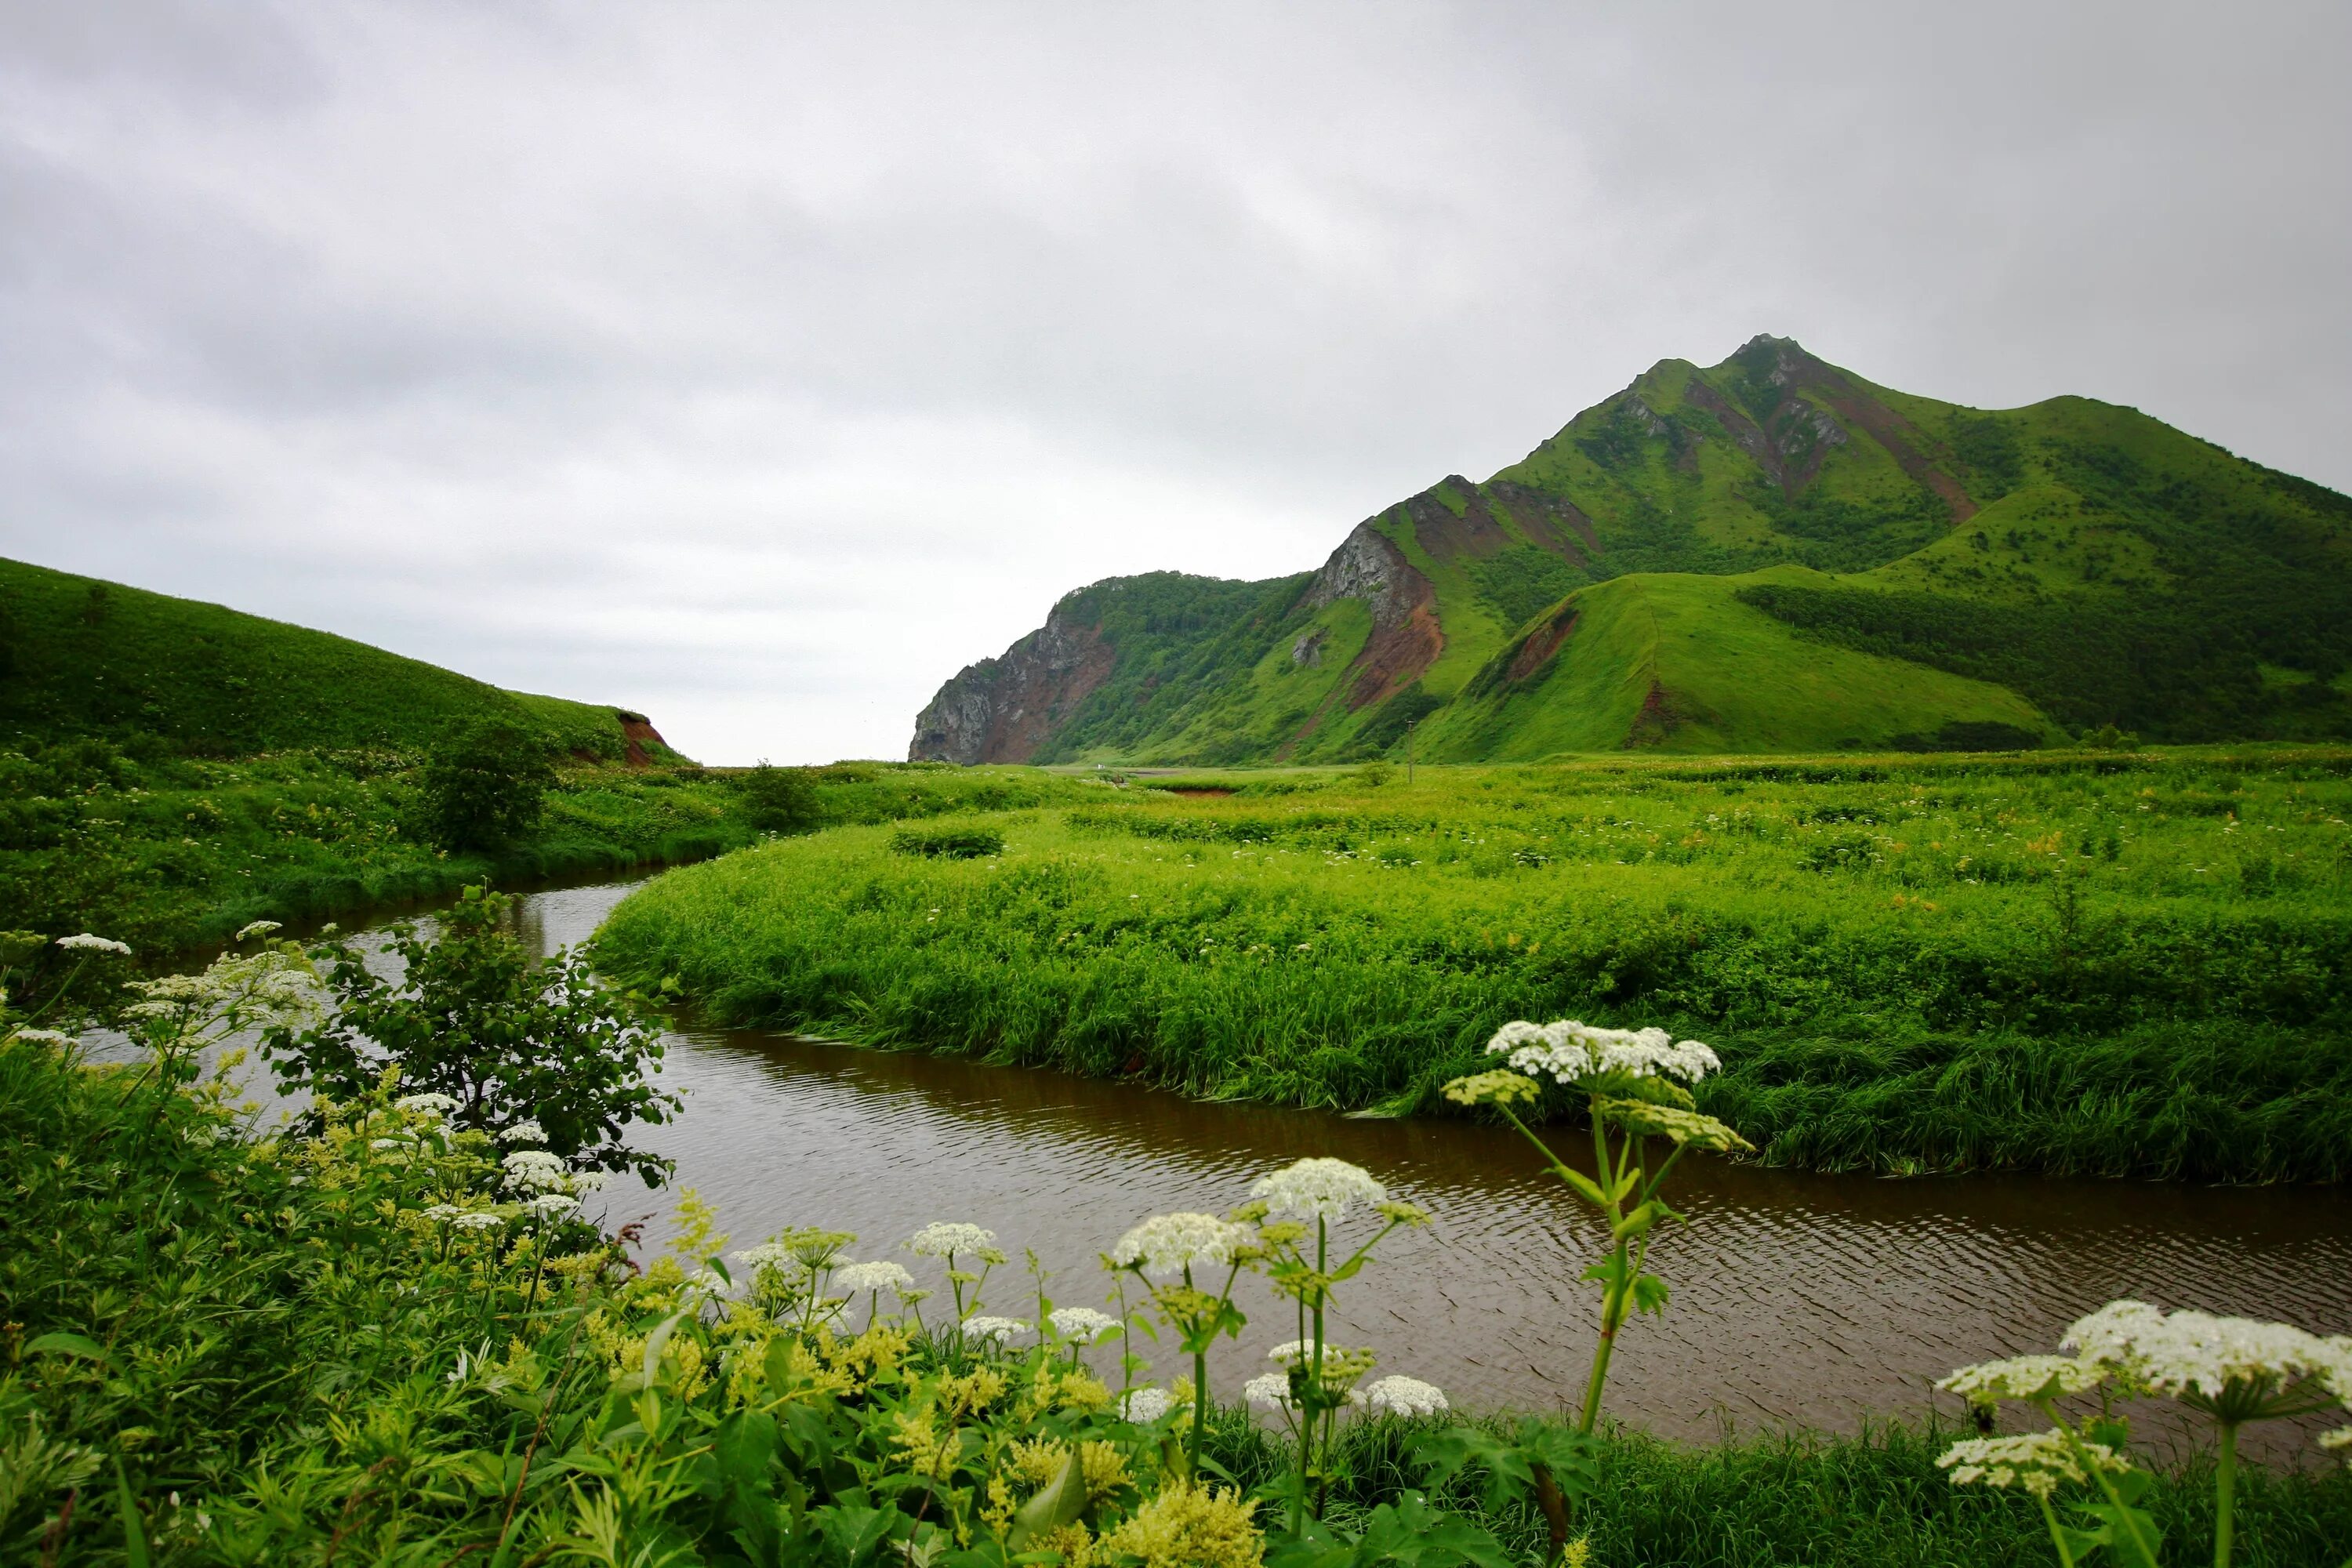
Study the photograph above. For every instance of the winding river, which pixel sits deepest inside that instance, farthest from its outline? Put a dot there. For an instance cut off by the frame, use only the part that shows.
(1799, 1298)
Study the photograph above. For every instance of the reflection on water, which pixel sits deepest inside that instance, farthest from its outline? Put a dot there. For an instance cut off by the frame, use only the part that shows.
(1797, 1297)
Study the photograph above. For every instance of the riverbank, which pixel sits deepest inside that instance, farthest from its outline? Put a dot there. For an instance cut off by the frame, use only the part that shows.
(168, 853)
(2119, 967)
(277, 1365)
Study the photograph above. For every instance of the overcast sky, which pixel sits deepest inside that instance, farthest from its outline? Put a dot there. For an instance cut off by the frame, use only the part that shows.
(760, 366)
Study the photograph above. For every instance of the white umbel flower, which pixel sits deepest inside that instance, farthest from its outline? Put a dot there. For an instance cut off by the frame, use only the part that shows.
(43, 1036)
(535, 1170)
(2024, 1377)
(1405, 1396)
(997, 1329)
(1271, 1390)
(1145, 1406)
(2031, 1461)
(554, 1206)
(86, 942)
(858, 1278)
(426, 1104)
(947, 1237)
(1569, 1052)
(1319, 1189)
(1081, 1325)
(529, 1131)
(478, 1220)
(258, 928)
(1167, 1244)
(2199, 1355)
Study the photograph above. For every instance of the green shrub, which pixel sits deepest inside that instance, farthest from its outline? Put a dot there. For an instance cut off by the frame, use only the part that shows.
(780, 800)
(485, 785)
(947, 843)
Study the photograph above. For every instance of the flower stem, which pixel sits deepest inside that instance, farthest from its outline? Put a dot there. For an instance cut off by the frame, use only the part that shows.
(2225, 1495)
(2057, 1536)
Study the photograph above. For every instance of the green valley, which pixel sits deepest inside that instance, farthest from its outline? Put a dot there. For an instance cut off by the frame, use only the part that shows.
(1769, 554)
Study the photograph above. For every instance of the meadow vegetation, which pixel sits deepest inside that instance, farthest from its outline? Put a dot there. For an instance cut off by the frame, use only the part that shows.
(166, 851)
(2121, 964)
(396, 1333)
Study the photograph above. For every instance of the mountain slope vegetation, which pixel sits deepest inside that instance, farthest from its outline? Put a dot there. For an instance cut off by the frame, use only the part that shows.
(81, 658)
(1769, 553)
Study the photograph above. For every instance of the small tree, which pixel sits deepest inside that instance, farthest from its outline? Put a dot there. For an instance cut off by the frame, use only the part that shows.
(472, 1016)
(485, 785)
(779, 800)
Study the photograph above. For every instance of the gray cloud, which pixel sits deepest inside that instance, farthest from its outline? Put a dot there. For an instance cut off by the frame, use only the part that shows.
(761, 366)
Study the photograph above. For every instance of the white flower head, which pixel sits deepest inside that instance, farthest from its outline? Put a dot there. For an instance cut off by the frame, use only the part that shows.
(996, 1329)
(555, 1205)
(2199, 1355)
(2035, 1462)
(44, 1037)
(949, 1237)
(1167, 1244)
(1147, 1405)
(86, 942)
(426, 1104)
(442, 1214)
(1271, 1390)
(535, 1170)
(1319, 1189)
(478, 1220)
(259, 928)
(858, 1279)
(1569, 1052)
(1405, 1396)
(1081, 1325)
(529, 1131)
(2024, 1377)
(585, 1181)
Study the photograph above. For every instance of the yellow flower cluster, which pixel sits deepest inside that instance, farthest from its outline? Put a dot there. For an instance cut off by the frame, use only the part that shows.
(1189, 1526)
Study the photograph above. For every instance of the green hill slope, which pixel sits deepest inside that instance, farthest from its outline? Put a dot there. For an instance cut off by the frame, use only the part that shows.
(1767, 554)
(79, 657)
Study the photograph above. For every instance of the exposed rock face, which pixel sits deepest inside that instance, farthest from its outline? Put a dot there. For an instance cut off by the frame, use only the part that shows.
(1001, 710)
(1367, 566)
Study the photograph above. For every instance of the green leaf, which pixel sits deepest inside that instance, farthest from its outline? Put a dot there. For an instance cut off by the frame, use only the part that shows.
(1059, 1502)
(134, 1527)
(1649, 1294)
(1585, 1186)
(62, 1344)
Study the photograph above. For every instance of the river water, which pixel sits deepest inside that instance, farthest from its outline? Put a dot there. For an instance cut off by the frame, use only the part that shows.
(1799, 1298)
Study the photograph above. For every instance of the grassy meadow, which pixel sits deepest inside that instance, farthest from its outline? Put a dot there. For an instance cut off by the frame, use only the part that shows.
(167, 851)
(2126, 966)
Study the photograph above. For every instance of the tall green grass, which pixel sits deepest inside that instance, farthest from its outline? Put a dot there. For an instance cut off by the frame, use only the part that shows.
(2122, 966)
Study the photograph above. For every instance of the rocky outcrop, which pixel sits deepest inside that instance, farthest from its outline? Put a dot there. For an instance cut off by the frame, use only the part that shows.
(1003, 709)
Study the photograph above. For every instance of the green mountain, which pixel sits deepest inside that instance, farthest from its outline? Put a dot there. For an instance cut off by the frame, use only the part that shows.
(1767, 554)
(83, 657)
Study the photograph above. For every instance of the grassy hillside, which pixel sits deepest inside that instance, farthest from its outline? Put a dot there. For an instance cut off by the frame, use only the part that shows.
(2117, 965)
(1772, 553)
(83, 657)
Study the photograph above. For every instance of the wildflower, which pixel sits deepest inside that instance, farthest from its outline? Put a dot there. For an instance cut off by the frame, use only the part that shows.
(1171, 1243)
(529, 1131)
(44, 1037)
(996, 1329)
(1319, 1189)
(86, 942)
(1189, 1526)
(1271, 1390)
(259, 928)
(584, 1182)
(1082, 1325)
(535, 1170)
(767, 1255)
(478, 1220)
(1145, 1406)
(2341, 1437)
(2024, 1377)
(1338, 1365)
(554, 1206)
(426, 1104)
(857, 1277)
(946, 1238)
(1686, 1127)
(2032, 1461)
(1497, 1087)
(1405, 1396)
(2193, 1355)
(1571, 1052)
(393, 1143)
(442, 1214)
